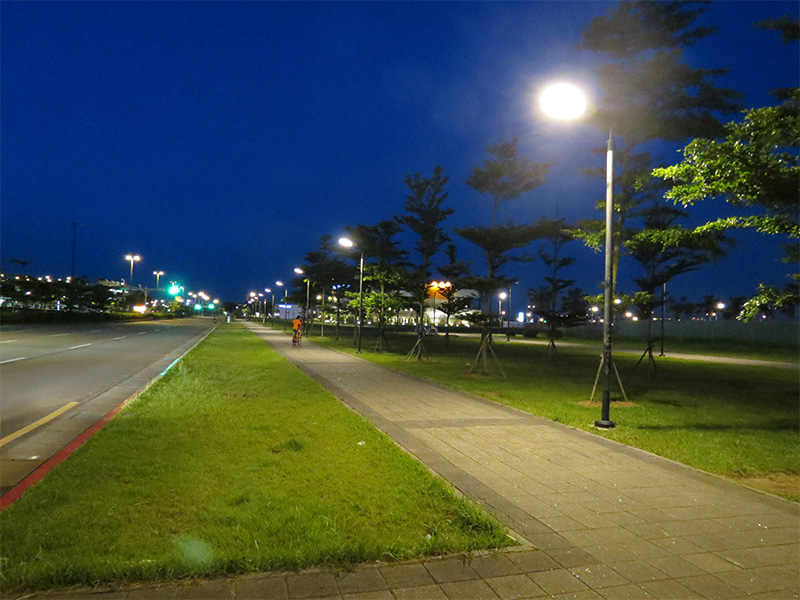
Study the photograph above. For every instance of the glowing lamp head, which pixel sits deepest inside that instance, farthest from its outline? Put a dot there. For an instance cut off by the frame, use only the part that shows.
(563, 101)
(346, 242)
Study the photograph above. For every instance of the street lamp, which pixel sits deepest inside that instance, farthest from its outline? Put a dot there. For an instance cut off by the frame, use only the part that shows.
(434, 286)
(348, 243)
(443, 287)
(300, 271)
(280, 284)
(132, 258)
(566, 102)
(271, 306)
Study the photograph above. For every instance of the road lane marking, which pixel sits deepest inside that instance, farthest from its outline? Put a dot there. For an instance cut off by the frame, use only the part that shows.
(39, 423)
(10, 360)
(7, 341)
(79, 346)
(142, 333)
(122, 337)
(58, 334)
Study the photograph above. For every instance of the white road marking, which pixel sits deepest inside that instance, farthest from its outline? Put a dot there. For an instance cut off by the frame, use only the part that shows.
(10, 360)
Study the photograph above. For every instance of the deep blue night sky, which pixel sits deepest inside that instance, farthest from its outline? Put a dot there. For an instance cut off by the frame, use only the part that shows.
(220, 140)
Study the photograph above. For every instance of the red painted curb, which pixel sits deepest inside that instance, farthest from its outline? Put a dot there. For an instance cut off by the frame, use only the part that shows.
(11, 496)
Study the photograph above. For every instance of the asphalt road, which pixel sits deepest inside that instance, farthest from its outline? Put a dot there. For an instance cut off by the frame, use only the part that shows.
(55, 381)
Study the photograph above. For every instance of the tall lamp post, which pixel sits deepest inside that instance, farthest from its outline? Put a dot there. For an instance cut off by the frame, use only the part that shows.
(158, 275)
(435, 287)
(132, 258)
(564, 101)
(300, 271)
(348, 243)
(271, 306)
(277, 284)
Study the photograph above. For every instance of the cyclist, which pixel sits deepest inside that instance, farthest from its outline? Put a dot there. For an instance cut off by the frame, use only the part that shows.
(297, 328)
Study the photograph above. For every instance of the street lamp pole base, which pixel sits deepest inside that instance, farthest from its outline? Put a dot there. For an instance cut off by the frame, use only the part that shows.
(602, 424)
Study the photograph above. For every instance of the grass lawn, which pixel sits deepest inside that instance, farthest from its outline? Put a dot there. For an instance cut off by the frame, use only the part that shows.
(735, 421)
(233, 462)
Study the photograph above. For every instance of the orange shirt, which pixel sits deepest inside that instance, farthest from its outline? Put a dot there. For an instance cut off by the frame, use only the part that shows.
(297, 324)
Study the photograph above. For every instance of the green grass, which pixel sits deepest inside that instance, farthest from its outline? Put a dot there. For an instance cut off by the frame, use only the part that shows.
(720, 347)
(726, 419)
(233, 462)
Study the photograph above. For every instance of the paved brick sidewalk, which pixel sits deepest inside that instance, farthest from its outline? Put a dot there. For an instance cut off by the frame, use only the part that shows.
(605, 520)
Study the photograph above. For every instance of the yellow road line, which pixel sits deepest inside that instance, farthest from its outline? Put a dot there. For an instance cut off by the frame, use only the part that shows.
(39, 423)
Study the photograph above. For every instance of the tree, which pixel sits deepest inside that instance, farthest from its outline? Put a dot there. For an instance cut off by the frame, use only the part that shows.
(682, 307)
(496, 243)
(326, 270)
(649, 94)
(574, 303)
(455, 271)
(424, 215)
(501, 179)
(754, 166)
(546, 297)
(507, 176)
(385, 272)
(661, 262)
(789, 28)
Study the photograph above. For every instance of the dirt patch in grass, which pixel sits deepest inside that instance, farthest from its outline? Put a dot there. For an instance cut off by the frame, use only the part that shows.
(780, 484)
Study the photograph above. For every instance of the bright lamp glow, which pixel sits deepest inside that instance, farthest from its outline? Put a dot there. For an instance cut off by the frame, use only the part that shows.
(346, 242)
(563, 101)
